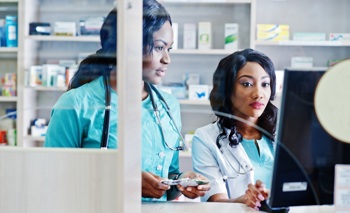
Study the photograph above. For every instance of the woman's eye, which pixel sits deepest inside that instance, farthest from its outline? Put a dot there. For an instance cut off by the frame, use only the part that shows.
(247, 84)
(159, 48)
(266, 84)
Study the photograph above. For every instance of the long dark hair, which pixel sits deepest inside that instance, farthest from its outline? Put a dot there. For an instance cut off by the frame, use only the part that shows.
(95, 65)
(223, 81)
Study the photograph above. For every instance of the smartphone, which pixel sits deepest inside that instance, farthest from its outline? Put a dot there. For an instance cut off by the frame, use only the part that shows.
(185, 182)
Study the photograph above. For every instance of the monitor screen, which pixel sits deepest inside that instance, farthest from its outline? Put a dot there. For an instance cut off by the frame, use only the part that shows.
(305, 153)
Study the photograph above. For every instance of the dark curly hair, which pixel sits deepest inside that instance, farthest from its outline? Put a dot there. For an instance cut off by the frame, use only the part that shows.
(220, 97)
(95, 65)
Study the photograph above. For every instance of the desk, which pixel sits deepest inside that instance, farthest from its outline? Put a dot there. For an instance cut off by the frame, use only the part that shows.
(194, 207)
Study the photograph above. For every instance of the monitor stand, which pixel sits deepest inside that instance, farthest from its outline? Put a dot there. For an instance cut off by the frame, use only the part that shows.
(267, 208)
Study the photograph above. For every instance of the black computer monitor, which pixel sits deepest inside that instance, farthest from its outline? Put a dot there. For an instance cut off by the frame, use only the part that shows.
(305, 153)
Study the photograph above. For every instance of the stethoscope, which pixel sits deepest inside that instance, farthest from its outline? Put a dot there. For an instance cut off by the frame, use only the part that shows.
(149, 88)
(241, 170)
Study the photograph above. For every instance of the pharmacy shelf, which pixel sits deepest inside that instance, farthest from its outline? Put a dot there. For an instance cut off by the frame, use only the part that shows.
(65, 38)
(208, 1)
(35, 138)
(304, 43)
(76, 8)
(8, 49)
(8, 99)
(44, 88)
(194, 102)
(8, 1)
(202, 52)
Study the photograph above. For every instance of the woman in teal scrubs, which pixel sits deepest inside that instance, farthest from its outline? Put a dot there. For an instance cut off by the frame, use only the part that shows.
(77, 117)
(235, 155)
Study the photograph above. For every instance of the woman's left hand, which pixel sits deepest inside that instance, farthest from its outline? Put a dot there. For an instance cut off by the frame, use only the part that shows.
(255, 194)
(193, 191)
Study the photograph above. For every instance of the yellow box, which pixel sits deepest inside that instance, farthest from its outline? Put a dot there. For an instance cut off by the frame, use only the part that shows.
(272, 28)
(274, 36)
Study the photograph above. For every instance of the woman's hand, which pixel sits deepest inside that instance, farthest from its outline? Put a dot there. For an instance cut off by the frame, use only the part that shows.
(193, 191)
(255, 194)
(152, 187)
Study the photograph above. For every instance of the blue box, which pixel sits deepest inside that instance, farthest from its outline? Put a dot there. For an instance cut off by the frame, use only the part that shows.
(11, 25)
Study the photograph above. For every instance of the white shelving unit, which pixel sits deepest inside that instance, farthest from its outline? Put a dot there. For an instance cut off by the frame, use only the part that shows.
(8, 57)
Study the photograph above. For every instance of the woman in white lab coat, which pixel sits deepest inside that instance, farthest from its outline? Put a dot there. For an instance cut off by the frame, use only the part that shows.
(236, 153)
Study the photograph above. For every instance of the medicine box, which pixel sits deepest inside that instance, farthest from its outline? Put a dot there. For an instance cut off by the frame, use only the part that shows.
(11, 31)
(309, 36)
(35, 74)
(190, 36)
(65, 28)
(204, 35)
(339, 36)
(231, 36)
(302, 62)
(198, 92)
(272, 32)
(91, 25)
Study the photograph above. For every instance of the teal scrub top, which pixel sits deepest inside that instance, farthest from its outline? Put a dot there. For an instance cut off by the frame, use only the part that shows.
(262, 161)
(77, 121)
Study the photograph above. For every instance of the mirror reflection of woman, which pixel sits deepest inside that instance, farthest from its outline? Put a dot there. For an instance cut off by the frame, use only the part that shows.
(236, 157)
(78, 116)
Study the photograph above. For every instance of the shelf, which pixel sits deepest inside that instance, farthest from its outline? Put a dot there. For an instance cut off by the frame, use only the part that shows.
(208, 1)
(65, 38)
(44, 88)
(35, 138)
(8, 49)
(194, 102)
(304, 43)
(201, 52)
(8, 1)
(8, 99)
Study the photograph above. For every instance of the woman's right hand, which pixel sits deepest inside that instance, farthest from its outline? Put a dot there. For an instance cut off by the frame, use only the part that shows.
(255, 194)
(152, 187)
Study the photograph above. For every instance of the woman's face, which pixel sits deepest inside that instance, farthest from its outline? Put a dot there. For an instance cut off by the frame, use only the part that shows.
(251, 92)
(155, 65)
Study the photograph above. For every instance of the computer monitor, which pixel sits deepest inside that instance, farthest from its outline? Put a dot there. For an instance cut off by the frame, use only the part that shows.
(305, 153)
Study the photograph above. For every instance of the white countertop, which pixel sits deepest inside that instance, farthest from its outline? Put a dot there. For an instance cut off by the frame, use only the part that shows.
(194, 207)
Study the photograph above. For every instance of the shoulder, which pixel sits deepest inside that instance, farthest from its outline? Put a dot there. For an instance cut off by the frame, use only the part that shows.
(208, 131)
(88, 94)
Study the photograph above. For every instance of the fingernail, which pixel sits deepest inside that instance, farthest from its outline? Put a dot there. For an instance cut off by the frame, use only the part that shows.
(180, 189)
(189, 189)
(199, 187)
(261, 197)
(258, 204)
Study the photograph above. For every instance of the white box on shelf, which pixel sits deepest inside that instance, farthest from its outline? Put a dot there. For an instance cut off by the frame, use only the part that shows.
(302, 62)
(204, 35)
(190, 34)
(339, 36)
(62, 28)
(231, 36)
(198, 92)
(191, 78)
(50, 73)
(35, 74)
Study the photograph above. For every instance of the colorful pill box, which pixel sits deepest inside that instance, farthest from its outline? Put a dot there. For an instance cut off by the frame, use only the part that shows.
(272, 32)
